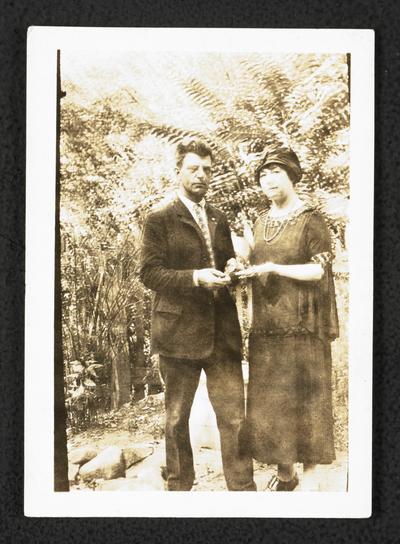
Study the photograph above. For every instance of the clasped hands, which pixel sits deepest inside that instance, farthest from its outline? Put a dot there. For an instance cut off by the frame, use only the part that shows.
(215, 279)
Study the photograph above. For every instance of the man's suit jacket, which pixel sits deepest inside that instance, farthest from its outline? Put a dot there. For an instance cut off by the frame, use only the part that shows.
(188, 322)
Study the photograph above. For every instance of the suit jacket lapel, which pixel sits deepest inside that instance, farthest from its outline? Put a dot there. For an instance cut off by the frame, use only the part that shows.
(212, 223)
(185, 216)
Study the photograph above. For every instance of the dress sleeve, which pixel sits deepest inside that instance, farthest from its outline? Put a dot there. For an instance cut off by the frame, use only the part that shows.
(318, 248)
(318, 241)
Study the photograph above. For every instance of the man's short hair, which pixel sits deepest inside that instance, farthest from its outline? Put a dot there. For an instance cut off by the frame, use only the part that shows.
(192, 145)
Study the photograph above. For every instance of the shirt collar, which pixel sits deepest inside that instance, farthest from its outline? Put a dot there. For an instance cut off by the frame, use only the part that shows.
(189, 203)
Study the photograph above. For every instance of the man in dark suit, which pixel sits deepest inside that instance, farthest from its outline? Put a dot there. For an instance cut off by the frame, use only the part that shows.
(186, 248)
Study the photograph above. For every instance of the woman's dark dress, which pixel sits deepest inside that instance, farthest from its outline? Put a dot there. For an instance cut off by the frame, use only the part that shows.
(290, 394)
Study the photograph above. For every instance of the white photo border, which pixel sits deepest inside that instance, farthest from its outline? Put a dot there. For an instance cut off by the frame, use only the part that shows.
(40, 497)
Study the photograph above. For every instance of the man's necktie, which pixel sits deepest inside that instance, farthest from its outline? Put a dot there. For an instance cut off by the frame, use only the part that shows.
(201, 221)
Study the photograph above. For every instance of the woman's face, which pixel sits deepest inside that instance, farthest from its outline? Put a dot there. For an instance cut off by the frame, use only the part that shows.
(275, 182)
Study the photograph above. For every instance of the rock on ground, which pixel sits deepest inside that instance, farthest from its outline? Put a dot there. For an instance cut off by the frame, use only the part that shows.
(80, 456)
(149, 467)
(73, 471)
(136, 453)
(108, 464)
(146, 474)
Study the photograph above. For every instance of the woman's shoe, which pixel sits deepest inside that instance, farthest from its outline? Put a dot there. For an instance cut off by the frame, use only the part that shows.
(275, 484)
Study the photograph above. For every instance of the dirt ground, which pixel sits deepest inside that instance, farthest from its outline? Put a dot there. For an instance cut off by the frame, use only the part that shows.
(143, 423)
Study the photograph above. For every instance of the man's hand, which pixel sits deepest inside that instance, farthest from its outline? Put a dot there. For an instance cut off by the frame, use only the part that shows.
(212, 278)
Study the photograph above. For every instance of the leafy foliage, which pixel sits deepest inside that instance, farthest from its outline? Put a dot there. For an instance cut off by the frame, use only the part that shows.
(117, 161)
(83, 393)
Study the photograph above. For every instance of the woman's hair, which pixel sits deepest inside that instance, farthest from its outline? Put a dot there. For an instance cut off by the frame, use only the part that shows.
(284, 157)
(191, 145)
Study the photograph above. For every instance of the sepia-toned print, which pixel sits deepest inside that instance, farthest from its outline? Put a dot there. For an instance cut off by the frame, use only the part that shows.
(204, 271)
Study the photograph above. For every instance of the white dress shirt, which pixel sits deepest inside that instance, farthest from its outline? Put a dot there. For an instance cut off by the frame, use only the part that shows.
(190, 206)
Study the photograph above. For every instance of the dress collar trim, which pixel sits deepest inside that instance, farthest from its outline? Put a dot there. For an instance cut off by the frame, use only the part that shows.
(289, 216)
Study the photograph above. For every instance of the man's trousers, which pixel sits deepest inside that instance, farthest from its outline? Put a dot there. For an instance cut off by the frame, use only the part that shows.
(226, 392)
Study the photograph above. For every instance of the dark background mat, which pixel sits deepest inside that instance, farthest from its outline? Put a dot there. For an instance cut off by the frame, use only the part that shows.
(382, 16)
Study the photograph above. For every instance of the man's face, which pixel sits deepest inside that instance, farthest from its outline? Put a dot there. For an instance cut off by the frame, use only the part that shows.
(194, 176)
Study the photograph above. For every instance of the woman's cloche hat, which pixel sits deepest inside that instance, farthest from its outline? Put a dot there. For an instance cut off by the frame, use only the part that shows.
(284, 157)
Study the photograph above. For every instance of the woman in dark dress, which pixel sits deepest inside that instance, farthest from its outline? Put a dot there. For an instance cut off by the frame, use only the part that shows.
(294, 321)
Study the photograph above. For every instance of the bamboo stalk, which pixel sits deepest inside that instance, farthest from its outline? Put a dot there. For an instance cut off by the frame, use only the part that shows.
(96, 300)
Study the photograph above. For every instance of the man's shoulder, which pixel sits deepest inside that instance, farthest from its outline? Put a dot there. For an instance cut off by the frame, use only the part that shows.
(162, 208)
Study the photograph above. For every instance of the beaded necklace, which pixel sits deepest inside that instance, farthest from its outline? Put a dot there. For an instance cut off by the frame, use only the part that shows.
(270, 223)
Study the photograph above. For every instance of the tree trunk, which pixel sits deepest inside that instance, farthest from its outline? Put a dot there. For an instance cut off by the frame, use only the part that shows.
(139, 360)
(60, 416)
(120, 381)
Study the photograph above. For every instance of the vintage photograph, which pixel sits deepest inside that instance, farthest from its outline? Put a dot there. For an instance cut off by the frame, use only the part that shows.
(203, 224)
(202, 271)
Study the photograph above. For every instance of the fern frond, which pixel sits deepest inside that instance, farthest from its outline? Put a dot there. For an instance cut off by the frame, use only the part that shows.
(173, 134)
(224, 181)
(203, 96)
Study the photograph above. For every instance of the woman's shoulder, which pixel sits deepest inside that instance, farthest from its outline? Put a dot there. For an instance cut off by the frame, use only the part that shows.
(309, 214)
(314, 217)
(262, 217)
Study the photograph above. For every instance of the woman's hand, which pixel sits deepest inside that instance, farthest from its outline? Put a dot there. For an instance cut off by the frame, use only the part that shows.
(256, 270)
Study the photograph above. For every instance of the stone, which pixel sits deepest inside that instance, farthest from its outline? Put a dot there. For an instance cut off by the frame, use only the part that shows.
(73, 471)
(108, 464)
(136, 453)
(147, 473)
(80, 456)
